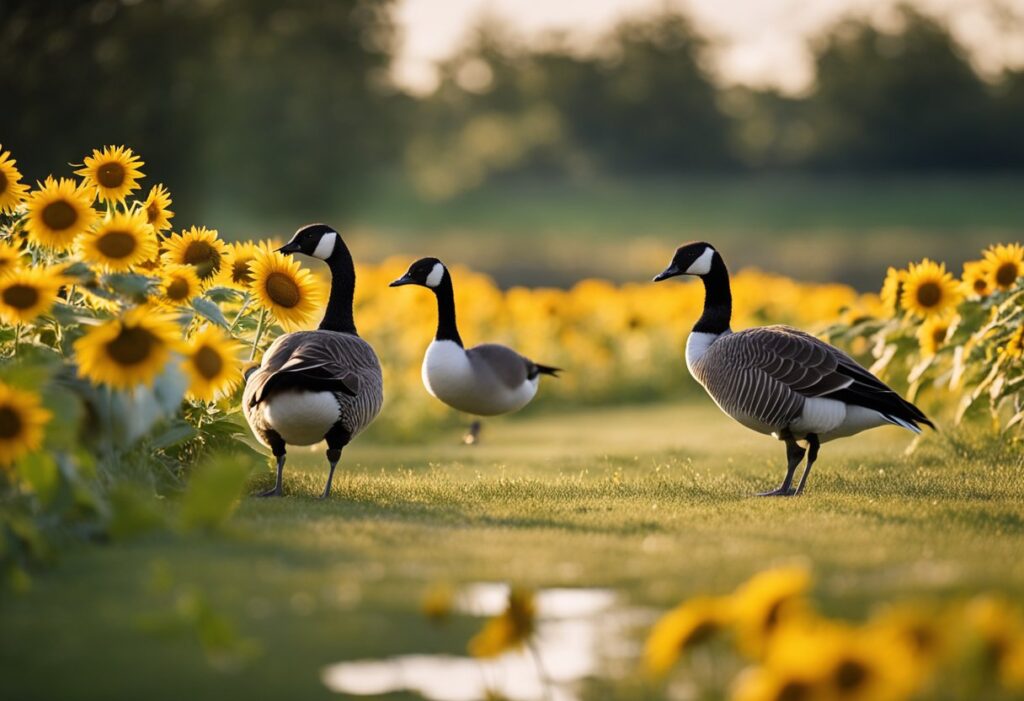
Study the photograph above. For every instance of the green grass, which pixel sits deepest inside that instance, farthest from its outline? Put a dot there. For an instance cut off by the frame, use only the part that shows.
(653, 502)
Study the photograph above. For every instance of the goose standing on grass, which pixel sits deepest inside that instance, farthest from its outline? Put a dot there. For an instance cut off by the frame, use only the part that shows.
(484, 380)
(778, 380)
(322, 385)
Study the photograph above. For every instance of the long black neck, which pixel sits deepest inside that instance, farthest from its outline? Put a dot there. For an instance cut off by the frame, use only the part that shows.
(717, 299)
(338, 316)
(447, 329)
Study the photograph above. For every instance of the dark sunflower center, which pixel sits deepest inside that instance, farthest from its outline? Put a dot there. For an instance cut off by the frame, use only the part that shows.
(980, 284)
(240, 272)
(110, 175)
(793, 691)
(59, 215)
(10, 423)
(21, 296)
(117, 244)
(851, 675)
(177, 289)
(929, 294)
(204, 257)
(153, 212)
(132, 346)
(702, 632)
(939, 336)
(3, 182)
(773, 614)
(1006, 274)
(208, 362)
(282, 290)
(922, 638)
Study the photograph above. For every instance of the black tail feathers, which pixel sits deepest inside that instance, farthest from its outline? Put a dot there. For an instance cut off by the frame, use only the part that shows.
(547, 370)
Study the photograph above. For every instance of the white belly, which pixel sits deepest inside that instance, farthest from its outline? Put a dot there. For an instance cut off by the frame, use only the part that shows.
(449, 376)
(302, 418)
(830, 419)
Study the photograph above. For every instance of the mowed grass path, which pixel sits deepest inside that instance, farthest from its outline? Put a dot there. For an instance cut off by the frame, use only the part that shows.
(654, 502)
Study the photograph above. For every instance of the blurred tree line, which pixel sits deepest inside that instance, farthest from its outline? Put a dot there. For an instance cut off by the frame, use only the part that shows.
(272, 106)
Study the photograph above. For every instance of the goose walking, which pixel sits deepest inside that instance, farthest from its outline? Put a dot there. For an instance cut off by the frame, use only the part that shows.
(484, 380)
(316, 385)
(778, 380)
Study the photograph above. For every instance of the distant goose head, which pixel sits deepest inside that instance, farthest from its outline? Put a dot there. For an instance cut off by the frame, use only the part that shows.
(316, 240)
(695, 258)
(426, 272)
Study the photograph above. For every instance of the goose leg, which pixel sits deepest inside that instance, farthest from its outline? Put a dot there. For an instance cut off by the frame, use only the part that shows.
(812, 454)
(276, 491)
(472, 436)
(794, 454)
(333, 456)
(337, 438)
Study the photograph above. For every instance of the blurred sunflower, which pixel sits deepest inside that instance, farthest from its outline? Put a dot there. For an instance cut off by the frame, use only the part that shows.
(762, 604)
(998, 626)
(58, 212)
(156, 207)
(510, 630)
(285, 289)
(932, 334)
(25, 293)
(976, 281)
(928, 289)
(235, 271)
(691, 623)
(128, 351)
(892, 288)
(10, 257)
(113, 172)
(119, 243)
(179, 283)
(763, 684)
(12, 190)
(925, 634)
(22, 418)
(211, 364)
(199, 247)
(1005, 263)
(1014, 347)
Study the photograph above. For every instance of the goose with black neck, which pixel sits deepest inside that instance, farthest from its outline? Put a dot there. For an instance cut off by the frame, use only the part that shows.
(485, 380)
(321, 385)
(778, 380)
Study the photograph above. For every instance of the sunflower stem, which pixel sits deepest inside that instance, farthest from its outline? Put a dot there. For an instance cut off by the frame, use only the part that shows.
(17, 338)
(259, 334)
(241, 311)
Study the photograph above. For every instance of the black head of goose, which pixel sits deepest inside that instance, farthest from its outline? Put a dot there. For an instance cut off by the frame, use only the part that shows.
(484, 380)
(778, 380)
(322, 385)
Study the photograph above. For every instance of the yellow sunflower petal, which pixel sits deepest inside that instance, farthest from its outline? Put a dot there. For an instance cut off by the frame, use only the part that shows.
(22, 418)
(199, 247)
(157, 209)
(10, 257)
(129, 351)
(179, 283)
(12, 190)
(58, 212)
(288, 291)
(25, 293)
(212, 364)
(928, 289)
(113, 173)
(1005, 264)
(932, 334)
(976, 281)
(119, 243)
(235, 272)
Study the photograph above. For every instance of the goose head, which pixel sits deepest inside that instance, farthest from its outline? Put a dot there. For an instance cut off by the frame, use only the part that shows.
(690, 259)
(426, 272)
(316, 240)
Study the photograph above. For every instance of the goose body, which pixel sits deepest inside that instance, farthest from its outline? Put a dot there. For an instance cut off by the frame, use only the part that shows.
(485, 380)
(778, 380)
(322, 385)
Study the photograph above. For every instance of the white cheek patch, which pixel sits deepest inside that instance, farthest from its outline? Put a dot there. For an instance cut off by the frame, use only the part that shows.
(702, 266)
(434, 279)
(325, 248)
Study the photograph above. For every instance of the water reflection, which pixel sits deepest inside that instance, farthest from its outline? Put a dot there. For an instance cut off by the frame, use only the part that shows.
(578, 631)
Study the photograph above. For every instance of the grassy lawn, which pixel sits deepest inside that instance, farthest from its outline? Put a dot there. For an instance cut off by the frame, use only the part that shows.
(652, 502)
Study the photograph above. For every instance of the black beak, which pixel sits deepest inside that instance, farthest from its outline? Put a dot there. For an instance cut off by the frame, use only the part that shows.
(289, 248)
(670, 271)
(404, 280)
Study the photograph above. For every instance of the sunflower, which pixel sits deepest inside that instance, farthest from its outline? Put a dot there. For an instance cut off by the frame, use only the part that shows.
(10, 257)
(156, 206)
(25, 293)
(113, 172)
(1005, 264)
(765, 602)
(199, 247)
(22, 419)
(508, 630)
(976, 281)
(684, 627)
(12, 190)
(929, 289)
(120, 242)
(288, 291)
(58, 212)
(128, 351)
(235, 272)
(891, 289)
(212, 364)
(1014, 348)
(932, 334)
(179, 283)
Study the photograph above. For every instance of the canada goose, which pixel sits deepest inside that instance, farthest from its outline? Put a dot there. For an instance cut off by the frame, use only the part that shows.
(484, 380)
(316, 385)
(778, 380)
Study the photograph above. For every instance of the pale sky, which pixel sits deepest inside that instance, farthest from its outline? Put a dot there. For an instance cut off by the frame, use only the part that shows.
(759, 42)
